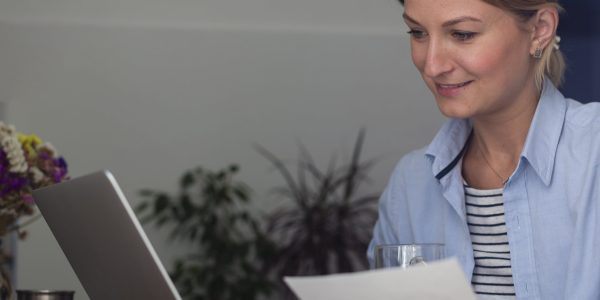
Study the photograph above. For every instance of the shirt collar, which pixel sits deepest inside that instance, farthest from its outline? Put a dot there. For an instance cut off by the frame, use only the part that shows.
(447, 147)
(545, 131)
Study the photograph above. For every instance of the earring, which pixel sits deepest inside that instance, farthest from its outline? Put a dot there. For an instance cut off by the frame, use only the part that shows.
(557, 42)
(538, 53)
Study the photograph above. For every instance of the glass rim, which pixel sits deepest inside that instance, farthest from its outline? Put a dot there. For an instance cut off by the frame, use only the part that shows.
(408, 244)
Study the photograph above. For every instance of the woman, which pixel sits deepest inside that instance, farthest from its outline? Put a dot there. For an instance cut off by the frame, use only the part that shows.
(511, 183)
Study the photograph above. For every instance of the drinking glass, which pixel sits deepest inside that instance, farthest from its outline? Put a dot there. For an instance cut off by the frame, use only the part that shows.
(407, 255)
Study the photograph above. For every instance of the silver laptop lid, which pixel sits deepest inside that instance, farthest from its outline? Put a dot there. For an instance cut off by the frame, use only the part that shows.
(103, 240)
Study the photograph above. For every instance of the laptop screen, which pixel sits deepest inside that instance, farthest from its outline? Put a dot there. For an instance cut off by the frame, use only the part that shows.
(104, 242)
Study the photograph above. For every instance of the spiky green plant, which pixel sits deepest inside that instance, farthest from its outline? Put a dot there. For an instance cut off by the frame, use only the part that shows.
(327, 227)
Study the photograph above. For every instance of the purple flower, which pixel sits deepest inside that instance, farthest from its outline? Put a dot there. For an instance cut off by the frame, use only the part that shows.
(56, 176)
(15, 188)
(62, 163)
(28, 199)
(43, 155)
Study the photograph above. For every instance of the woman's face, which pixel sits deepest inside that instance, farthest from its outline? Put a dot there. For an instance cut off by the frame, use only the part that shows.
(473, 56)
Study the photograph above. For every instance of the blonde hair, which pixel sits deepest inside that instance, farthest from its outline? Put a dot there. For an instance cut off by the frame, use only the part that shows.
(552, 63)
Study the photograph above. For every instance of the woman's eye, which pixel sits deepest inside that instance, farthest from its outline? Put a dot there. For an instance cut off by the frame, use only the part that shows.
(463, 35)
(417, 34)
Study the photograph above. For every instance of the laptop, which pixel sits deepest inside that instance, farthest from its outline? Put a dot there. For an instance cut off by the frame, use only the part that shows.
(103, 240)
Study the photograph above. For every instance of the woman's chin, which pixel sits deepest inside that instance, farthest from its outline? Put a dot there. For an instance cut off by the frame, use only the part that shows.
(454, 111)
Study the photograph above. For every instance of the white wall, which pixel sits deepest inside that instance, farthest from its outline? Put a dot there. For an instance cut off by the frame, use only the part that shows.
(150, 88)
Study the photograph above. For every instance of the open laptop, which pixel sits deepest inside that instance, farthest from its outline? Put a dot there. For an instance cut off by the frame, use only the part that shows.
(103, 240)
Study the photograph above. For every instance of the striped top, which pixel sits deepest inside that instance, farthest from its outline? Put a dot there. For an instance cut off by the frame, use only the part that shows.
(492, 275)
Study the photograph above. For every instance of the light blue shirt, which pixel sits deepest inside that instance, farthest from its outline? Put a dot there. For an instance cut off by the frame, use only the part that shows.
(551, 201)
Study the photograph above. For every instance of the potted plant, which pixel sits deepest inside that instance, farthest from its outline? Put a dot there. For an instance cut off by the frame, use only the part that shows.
(229, 245)
(325, 228)
(325, 223)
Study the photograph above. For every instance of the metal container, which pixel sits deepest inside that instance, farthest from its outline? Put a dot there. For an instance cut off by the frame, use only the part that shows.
(44, 295)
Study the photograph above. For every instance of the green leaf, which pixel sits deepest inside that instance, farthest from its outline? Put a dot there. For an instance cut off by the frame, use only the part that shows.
(147, 193)
(188, 179)
(142, 207)
(241, 193)
(161, 203)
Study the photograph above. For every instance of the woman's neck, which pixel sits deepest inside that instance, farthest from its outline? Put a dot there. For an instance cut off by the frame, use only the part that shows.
(496, 146)
(505, 131)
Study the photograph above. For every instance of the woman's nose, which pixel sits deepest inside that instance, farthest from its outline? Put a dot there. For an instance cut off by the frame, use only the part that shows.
(437, 60)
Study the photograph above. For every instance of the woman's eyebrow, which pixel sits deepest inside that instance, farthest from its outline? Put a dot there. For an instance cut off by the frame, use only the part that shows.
(447, 23)
(409, 19)
(460, 20)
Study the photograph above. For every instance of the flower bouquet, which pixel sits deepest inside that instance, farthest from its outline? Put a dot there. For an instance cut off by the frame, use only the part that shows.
(26, 163)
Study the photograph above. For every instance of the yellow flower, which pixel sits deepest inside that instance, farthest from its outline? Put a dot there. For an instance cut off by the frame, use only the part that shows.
(29, 142)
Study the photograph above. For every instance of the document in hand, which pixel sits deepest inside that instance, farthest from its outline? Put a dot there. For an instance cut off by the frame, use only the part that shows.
(443, 280)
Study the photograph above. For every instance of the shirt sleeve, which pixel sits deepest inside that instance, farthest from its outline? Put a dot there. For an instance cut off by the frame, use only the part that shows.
(393, 225)
(583, 279)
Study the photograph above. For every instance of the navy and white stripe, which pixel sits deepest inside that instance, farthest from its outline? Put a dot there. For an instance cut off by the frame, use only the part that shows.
(492, 275)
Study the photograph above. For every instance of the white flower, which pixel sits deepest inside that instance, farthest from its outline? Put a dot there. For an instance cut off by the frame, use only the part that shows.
(48, 147)
(37, 175)
(6, 129)
(14, 154)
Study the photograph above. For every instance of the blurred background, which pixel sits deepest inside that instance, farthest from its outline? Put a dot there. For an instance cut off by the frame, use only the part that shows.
(149, 89)
(581, 29)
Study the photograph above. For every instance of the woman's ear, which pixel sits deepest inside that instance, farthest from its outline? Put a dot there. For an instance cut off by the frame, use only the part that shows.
(544, 24)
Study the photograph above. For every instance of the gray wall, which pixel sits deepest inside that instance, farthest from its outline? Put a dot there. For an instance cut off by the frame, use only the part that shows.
(150, 88)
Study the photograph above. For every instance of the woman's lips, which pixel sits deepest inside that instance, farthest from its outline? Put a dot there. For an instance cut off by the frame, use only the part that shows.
(451, 90)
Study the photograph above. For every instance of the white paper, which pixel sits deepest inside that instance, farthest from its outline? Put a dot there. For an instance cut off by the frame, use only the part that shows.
(443, 280)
